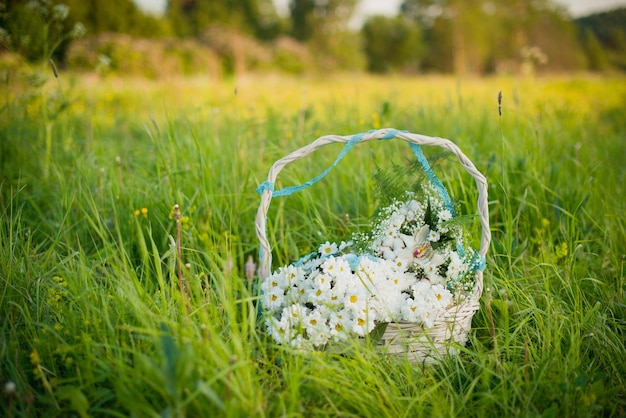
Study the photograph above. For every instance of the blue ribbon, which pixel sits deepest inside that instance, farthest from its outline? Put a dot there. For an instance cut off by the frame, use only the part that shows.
(419, 154)
(390, 134)
(266, 185)
(305, 259)
(286, 191)
(354, 260)
(481, 264)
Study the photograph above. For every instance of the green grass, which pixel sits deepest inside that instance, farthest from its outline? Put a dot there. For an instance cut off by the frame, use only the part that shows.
(92, 322)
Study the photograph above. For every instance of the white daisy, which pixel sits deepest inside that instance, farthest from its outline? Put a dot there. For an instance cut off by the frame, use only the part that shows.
(412, 310)
(339, 323)
(328, 248)
(444, 215)
(455, 267)
(315, 327)
(274, 299)
(364, 322)
(441, 297)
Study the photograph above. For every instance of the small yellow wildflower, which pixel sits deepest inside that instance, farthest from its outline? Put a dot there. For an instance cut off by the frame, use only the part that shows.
(375, 120)
(144, 212)
(34, 358)
(137, 212)
(561, 250)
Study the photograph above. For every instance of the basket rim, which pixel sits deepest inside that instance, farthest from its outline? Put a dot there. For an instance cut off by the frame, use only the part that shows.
(265, 255)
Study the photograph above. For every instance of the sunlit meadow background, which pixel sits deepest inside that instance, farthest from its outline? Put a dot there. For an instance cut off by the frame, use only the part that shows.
(92, 321)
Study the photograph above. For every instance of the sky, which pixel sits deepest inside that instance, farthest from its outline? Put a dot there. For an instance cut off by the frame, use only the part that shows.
(390, 7)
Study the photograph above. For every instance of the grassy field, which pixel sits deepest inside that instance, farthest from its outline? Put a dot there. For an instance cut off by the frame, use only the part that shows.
(92, 322)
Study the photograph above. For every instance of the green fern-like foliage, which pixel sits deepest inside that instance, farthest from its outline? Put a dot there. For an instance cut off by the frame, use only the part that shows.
(390, 184)
(393, 183)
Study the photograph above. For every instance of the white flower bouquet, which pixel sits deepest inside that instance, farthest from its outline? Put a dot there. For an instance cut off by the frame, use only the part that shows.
(413, 274)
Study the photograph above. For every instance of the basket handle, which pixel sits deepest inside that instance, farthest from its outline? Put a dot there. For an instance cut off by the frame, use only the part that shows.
(266, 189)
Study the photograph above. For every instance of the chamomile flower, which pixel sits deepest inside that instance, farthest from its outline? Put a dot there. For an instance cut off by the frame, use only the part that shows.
(441, 297)
(432, 274)
(344, 244)
(412, 310)
(315, 326)
(281, 330)
(328, 248)
(316, 296)
(444, 215)
(455, 267)
(355, 299)
(293, 274)
(396, 221)
(274, 298)
(276, 280)
(295, 312)
(330, 265)
(339, 323)
(400, 264)
(427, 318)
(342, 272)
(364, 322)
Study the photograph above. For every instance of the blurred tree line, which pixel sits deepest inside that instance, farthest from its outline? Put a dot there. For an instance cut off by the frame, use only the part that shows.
(232, 36)
(604, 39)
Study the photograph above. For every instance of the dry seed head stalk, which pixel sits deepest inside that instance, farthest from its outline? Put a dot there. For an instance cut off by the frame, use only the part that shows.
(54, 68)
(56, 75)
(177, 215)
(250, 268)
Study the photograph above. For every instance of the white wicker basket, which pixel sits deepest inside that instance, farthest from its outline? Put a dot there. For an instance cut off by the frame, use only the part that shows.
(404, 339)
